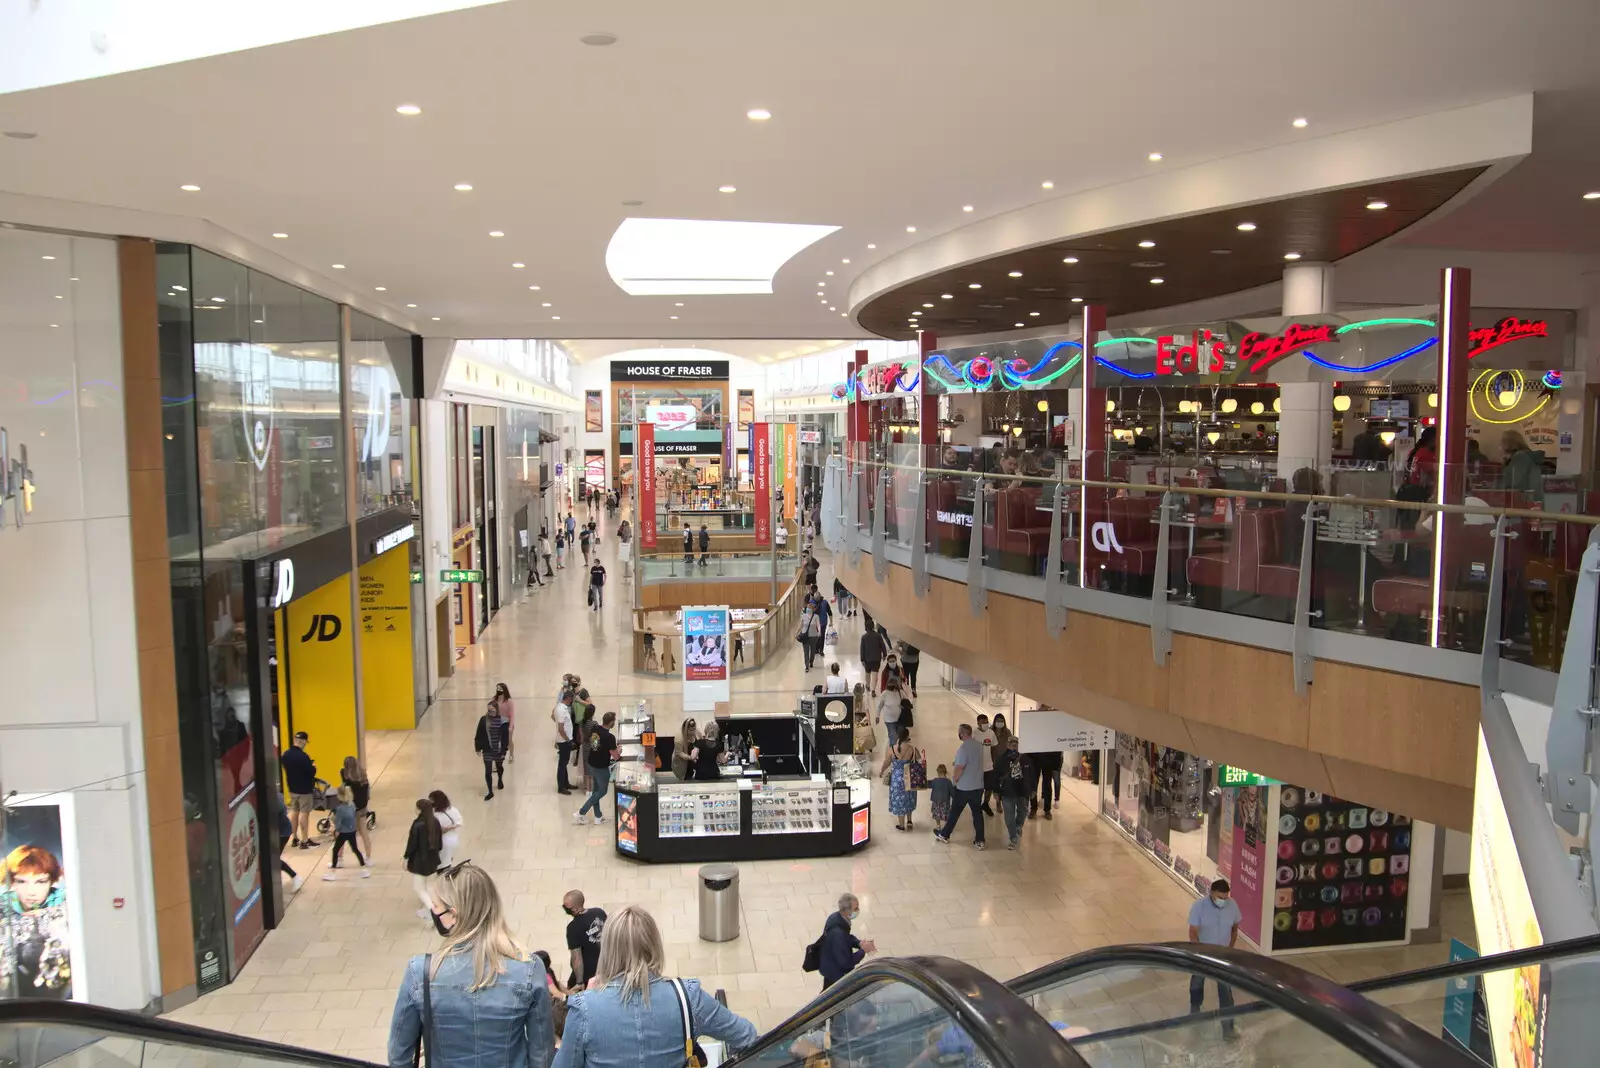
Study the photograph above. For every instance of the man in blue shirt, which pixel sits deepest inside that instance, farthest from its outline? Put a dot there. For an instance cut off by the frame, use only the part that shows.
(301, 773)
(968, 780)
(1214, 921)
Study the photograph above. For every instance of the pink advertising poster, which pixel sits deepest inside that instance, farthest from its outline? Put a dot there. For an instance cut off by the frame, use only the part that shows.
(1250, 856)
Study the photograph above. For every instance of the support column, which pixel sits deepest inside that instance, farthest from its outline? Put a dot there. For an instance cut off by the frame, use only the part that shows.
(1455, 315)
(1091, 438)
(856, 412)
(927, 403)
(1305, 425)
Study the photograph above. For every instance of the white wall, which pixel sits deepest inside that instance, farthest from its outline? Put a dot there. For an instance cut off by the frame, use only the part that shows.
(435, 521)
(70, 720)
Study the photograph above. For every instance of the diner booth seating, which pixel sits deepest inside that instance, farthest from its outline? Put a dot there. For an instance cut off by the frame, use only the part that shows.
(1022, 532)
(1247, 576)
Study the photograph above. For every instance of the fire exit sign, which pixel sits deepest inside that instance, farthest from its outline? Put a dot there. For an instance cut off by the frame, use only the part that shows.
(1231, 776)
(461, 576)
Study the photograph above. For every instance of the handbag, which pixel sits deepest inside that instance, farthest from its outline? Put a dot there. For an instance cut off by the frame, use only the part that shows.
(693, 1055)
(917, 771)
(425, 1040)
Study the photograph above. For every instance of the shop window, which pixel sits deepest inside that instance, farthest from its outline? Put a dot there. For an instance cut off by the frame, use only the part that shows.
(382, 413)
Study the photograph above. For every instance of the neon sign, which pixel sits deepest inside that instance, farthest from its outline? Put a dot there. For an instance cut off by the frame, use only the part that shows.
(1506, 330)
(1502, 392)
(1259, 350)
(1187, 358)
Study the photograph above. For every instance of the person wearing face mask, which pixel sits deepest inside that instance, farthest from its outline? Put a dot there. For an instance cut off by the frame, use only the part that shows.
(1214, 921)
(840, 951)
(584, 933)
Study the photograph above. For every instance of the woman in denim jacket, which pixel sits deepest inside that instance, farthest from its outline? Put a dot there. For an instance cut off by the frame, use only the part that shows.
(491, 1007)
(629, 1017)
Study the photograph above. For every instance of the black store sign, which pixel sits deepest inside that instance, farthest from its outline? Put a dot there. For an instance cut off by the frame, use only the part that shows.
(669, 370)
(678, 448)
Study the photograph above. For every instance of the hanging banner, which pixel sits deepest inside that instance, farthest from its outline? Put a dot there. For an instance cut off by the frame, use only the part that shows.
(705, 656)
(791, 469)
(38, 904)
(761, 476)
(647, 484)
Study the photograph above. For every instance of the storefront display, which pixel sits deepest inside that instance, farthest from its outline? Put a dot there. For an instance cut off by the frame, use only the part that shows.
(1343, 872)
(37, 932)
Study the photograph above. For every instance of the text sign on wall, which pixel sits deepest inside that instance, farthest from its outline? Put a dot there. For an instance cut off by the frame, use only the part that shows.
(761, 475)
(668, 370)
(647, 485)
(1232, 776)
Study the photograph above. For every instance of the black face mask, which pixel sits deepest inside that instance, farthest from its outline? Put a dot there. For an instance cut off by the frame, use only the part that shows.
(568, 910)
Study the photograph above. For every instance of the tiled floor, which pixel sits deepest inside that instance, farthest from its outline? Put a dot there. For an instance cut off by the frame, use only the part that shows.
(327, 977)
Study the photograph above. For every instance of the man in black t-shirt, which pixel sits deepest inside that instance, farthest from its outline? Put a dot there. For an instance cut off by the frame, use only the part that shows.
(583, 937)
(597, 585)
(301, 772)
(601, 752)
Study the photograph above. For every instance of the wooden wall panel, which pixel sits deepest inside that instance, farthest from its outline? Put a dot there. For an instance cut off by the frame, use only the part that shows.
(1239, 687)
(1399, 722)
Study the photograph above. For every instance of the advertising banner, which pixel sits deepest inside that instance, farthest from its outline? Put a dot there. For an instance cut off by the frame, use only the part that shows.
(1343, 872)
(316, 668)
(647, 485)
(705, 656)
(670, 417)
(627, 822)
(791, 471)
(37, 905)
(747, 408)
(780, 468)
(386, 657)
(593, 423)
(761, 477)
(1250, 857)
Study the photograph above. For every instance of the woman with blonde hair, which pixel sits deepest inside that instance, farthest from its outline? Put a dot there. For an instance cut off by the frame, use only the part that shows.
(631, 1014)
(688, 734)
(353, 775)
(482, 999)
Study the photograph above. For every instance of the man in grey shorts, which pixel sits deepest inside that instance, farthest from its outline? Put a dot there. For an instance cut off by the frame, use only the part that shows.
(301, 772)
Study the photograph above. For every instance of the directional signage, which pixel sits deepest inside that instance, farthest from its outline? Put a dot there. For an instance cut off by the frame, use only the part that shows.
(416, 577)
(1231, 776)
(461, 576)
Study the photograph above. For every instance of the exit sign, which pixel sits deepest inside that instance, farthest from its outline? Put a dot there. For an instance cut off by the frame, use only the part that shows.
(416, 577)
(461, 576)
(1231, 776)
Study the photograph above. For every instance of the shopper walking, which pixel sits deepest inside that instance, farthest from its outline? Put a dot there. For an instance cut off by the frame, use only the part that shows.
(1013, 785)
(889, 711)
(625, 549)
(508, 711)
(1047, 781)
(597, 585)
(811, 634)
(968, 781)
(705, 545)
(449, 818)
(835, 682)
(584, 537)
(493, 737)
(688, 546)
(902, 796)
(634, 1015)
(482, 998)
(1214, 921)
(838, 950)
(910, 660)
(561, 550)
(585, 934)
(985, 738)
(301, 772)
(871, 658)
(344, 829)
(562, 714)
(285, 832)
(423, 843)
(544, 552)
(602, 754)
(572, 526)
(353, 775)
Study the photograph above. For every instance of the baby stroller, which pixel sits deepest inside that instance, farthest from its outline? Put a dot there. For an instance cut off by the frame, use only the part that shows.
(327, 797)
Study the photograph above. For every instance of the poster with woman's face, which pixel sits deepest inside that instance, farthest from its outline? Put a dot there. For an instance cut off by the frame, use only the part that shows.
(35, 937)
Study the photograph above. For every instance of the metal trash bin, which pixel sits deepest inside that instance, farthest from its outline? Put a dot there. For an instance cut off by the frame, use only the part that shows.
(719, 902)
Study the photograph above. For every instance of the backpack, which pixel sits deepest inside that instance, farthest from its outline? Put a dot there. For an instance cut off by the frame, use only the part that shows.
(812, 961)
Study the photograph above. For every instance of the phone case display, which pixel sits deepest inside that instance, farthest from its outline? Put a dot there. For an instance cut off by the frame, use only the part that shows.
(704, 810)
(791, 808)
(1178, 784)
(1343, 872)
(636, 768)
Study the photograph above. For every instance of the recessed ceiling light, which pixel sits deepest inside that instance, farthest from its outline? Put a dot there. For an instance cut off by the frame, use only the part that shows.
(758, 114)
(1299, 124)
(872, 246)
(916, 313)
(411, 305)
(519, 266)
(947, 296)
(60, 297)
(1592, 196)
(180, 289)
(1377, 205)
(381, 289)
(832, 308)
(463, 187)
(927, 305)
(974, 285)
(47, 257)
(827, 272)
(1047, 185)
(1033, 313)
(727, 189)
(819, 293)
(190, 188)
(966, 207)
(1154, 157)
(820, 284)
(1157, 281)
(632, 203)
(435, 318)
(1147, 244)
(555, 317)
(280, 236)
(1018, 324)
(911, 229)
(844, 315)
(546, 304)
(677, 304)
(1077, 300)
(497, 233)
(260, 320)
(1070, 259)
(1245, 226)
(1291, 255)
(1014, 274)
(844, 261)
(409, 109)
(21, 135)
(338, 266)
(598, 39)
(672, 317)
(218, 300)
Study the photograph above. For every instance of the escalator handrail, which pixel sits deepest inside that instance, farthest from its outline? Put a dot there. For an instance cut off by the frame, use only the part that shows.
(1381, 1036)
(122, 1023)
(1002, 1025)
(1494, 962)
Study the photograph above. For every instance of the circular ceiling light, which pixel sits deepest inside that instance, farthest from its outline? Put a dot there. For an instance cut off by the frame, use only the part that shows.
(1013, 274)
(1256, 407)
(828, 273)
(519, 266)
(1154, 157)
(974, 285)
(727, 189)
(555, 317)
(338, 266)
(190, 188)
(672, 317)
(677, 304)
(381, 289)
(1070, 259)
(947, 296)
(1147, 244)
(409, 109)
(1047, 185)
(280, 236)
(411, 305)
(758, 114)
(1291, 255)
(966, 207)
(535, 288)
(832, 308)
(911, 229)
(1077, 300)
(1594, 195)
(599, 39)
(1032, 314)
(1246, 226)
(1299, 124)
(497, 233)
(1377, 205)
(632, 203)
(1341, 403)
(1019, 324)
(21, 135)
(872, 246)
(463, 187)
(546, 304)
(1157, 281)
(844, 261)
(927, 305)
(1229, 406)
(435, 318)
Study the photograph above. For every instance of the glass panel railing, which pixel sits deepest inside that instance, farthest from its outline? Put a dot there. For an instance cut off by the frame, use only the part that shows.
(36, 1035)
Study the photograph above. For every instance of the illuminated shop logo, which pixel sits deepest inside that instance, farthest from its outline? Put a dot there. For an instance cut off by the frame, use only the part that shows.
(16, 481)
(255, 408)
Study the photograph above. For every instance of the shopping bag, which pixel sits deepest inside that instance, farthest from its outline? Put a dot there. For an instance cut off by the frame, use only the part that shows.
(917, 771)
(833, 636)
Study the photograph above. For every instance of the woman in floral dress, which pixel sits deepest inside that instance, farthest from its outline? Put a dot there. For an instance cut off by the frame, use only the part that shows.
(902, 799)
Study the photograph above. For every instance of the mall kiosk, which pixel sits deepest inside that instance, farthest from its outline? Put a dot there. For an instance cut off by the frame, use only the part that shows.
(792, 788)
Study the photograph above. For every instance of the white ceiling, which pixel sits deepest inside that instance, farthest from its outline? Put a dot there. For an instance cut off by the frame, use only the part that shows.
(886, 114)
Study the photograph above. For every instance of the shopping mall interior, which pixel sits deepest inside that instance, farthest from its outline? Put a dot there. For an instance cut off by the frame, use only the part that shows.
(1102, 570)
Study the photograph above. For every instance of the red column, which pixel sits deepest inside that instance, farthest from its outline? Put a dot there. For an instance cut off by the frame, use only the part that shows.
(927, 402)
(1091, 438)
(1455, 321)
(858, 408)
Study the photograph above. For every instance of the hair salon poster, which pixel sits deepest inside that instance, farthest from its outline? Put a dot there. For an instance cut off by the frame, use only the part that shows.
(36, 951)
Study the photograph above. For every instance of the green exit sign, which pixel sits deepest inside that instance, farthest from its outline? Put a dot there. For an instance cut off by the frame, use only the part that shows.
(416, 577)
(461, 576)
(1232, 776)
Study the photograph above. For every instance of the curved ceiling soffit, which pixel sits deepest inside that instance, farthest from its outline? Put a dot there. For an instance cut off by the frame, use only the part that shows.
(1483, 135)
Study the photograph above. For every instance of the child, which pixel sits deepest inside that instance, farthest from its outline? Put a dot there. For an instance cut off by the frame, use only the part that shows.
(943, 792)
(344, 825)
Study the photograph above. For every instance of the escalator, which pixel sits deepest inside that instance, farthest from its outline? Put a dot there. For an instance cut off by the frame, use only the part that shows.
(1117, 1007)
